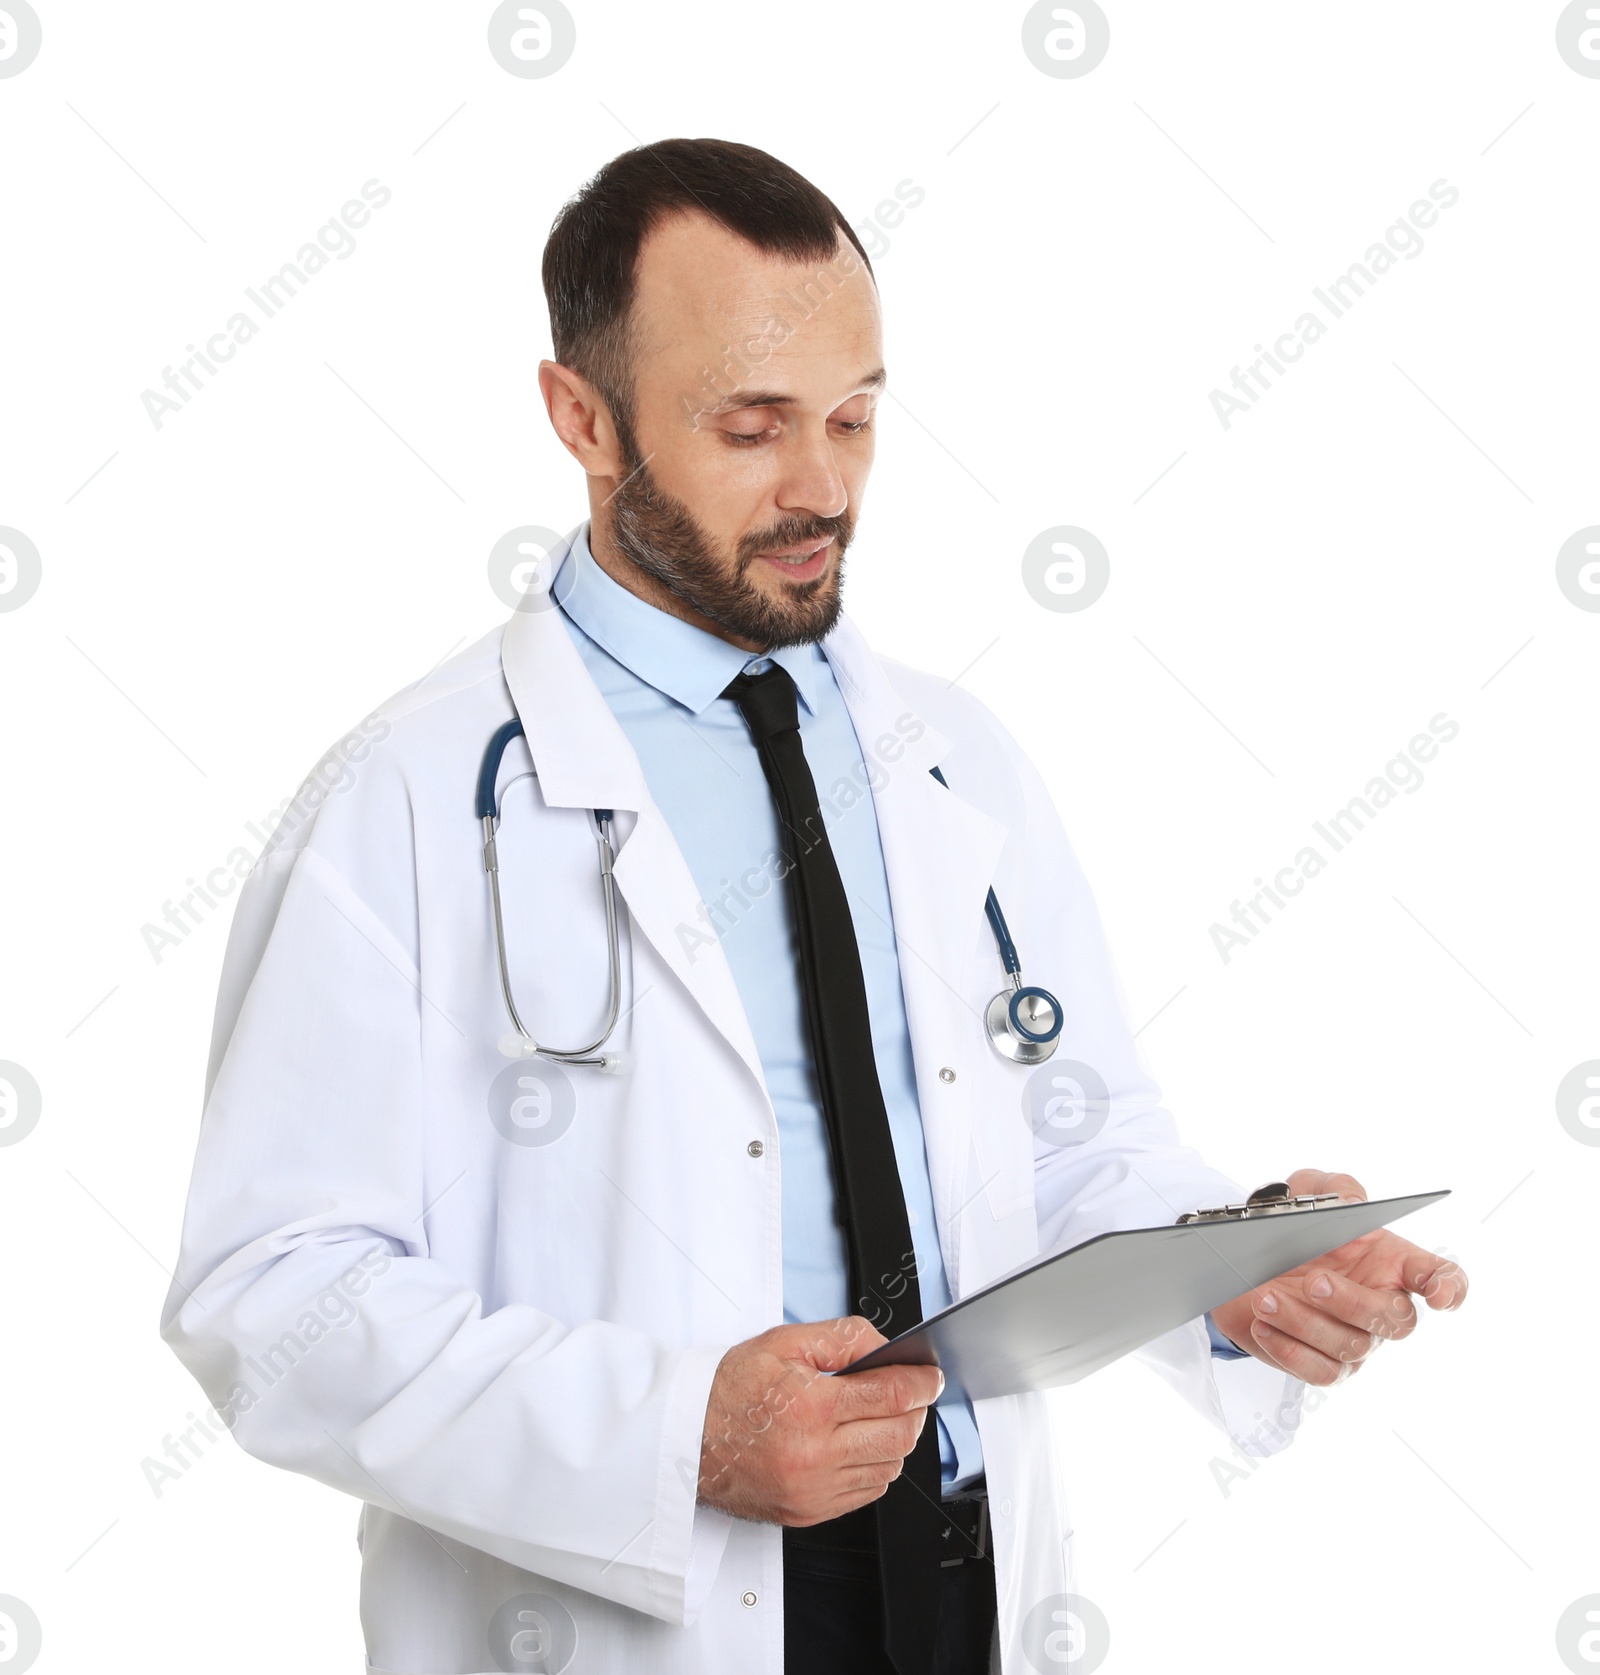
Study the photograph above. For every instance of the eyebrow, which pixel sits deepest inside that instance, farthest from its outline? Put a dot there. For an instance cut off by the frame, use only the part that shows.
(874, 380)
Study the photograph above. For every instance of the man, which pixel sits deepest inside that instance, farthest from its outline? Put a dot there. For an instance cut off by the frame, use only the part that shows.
(573, 1352)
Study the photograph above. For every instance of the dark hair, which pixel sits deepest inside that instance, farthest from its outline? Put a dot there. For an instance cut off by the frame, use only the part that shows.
(591, 257)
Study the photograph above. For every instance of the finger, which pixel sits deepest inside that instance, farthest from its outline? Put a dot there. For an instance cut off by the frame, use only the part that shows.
(868, 1481)
(1278, 1307)
(1435, 1279)
(1306, 1182)
(857, 1487)
(870, 1487)
(832, 1344)
(884, 1391)
(866, 1442)
(1296, 1358)
(1383, 1312)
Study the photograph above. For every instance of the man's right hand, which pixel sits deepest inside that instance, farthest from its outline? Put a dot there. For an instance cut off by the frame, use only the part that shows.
(785, 1445)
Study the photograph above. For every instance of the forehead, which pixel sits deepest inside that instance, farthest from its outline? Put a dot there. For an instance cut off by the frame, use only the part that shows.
(701, 289)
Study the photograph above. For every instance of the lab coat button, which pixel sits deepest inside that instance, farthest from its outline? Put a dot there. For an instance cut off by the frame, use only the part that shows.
(947, 1074)
(748, 1598)
(755, 1149)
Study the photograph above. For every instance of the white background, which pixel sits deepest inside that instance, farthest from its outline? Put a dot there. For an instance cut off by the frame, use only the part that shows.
(1364, 549)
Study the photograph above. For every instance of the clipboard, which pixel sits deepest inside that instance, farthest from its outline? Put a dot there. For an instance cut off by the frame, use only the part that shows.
(1066, 1316)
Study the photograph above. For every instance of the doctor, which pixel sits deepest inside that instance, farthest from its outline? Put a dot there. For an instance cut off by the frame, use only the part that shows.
(563, 1329)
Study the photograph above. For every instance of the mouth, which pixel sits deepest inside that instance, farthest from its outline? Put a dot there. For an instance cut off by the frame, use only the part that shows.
(803, 563)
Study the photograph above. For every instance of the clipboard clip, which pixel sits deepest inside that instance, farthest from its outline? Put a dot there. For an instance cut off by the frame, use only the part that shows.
(1270, 1200)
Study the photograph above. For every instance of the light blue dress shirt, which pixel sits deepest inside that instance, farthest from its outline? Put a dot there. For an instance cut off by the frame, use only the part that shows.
(663, 679)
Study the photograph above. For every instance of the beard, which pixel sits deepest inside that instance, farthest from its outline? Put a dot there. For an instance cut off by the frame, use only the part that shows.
(660, 535)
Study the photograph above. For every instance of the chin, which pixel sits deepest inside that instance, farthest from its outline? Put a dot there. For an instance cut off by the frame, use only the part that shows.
(797, 619)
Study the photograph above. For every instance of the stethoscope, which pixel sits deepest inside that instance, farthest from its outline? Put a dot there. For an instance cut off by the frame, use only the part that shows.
(521, 1045)
(1022, 1022)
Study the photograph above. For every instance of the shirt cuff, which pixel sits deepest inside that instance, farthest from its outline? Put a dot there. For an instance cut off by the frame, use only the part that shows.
(1223, 1349)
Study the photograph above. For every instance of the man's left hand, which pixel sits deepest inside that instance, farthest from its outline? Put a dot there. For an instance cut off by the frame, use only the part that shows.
(1322, 1320)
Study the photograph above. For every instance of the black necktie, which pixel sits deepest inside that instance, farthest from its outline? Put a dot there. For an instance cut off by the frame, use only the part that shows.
(869, 1200)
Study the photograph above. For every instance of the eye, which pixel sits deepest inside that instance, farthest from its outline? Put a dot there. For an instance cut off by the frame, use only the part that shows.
(753, 438)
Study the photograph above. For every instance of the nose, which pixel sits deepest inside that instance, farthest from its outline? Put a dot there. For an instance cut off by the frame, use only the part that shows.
(812, 481)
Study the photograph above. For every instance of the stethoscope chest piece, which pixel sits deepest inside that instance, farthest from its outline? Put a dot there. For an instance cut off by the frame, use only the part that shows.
(1024, 1024)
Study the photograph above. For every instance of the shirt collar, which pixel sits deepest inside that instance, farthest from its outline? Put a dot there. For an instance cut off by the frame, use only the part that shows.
(686, 663)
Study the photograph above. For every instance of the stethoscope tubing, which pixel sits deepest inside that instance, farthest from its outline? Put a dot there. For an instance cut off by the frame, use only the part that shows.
(1011, 1036)
(488, 815)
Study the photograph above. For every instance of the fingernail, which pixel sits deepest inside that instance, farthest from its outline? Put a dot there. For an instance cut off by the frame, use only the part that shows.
(1267, 1303)
(1321, 1286)
(940, 1391)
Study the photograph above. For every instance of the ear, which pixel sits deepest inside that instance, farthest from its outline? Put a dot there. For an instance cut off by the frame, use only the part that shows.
(582, 420)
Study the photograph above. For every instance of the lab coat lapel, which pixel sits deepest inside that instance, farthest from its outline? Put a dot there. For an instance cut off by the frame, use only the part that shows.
(584, 760)
(940, 853)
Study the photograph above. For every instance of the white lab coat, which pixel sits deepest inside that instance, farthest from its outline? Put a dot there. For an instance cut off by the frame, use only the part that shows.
(504, 1350)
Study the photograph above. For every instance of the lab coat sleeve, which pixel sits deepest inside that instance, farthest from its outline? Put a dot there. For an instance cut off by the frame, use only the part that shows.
(306, 1301)
(1123, 1165)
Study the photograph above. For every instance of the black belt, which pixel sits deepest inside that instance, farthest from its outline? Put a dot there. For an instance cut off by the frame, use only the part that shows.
(965, 1535)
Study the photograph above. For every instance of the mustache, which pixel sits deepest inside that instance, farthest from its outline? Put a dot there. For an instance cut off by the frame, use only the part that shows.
(766, 541)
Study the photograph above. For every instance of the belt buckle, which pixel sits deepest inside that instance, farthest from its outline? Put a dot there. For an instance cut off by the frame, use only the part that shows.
(967, 1513)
